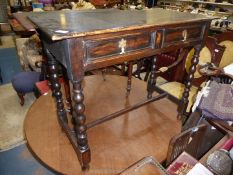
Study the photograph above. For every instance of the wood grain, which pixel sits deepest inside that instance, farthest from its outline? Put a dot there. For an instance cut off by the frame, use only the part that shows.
(100, 21)
(116, 144)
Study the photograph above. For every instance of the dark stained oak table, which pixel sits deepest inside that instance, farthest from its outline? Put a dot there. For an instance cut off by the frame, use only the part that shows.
(87, 40)
(115, 145)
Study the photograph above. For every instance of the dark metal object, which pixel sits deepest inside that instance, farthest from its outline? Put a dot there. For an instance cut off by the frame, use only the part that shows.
(81, 46)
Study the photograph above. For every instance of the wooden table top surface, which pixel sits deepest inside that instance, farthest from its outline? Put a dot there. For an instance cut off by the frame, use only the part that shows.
(67, 24)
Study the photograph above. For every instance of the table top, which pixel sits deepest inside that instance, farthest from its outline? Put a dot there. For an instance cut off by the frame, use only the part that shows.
(59, 25)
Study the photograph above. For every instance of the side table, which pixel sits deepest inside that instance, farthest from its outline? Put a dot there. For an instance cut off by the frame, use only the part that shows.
(87, 40)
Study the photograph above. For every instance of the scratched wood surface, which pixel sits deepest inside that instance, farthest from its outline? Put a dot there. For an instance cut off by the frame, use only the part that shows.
(114, 145)
(68, 24)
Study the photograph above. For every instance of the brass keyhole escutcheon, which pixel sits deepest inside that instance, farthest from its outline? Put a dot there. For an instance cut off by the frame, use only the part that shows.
(185, 35)
(122, 45)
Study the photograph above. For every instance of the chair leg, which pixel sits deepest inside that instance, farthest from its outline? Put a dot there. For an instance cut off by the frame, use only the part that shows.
(21, 97)
(104, 71)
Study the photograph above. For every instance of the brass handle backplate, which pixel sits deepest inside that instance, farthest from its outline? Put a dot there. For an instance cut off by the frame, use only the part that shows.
(185, 35)
(122, 45)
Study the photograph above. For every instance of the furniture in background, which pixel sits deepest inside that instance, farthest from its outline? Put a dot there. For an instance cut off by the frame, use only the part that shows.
(3, 15)
(221, 11)
(212, 52)
(222, 126)
(145, 166)
(163, 60)
(100, 45)
(188, 141)
(19, 29)
(24, 82)
(3, 12)
(226, 39)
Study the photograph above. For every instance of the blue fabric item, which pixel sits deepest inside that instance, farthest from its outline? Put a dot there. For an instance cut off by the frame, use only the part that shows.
(24, 82)
(9, 64)
(20, 161)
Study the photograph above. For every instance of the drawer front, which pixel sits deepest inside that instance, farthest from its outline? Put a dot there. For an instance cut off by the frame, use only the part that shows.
(182, 34)
(119, 45)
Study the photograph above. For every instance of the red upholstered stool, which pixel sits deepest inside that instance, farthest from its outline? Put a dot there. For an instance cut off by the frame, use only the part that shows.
(43, 88)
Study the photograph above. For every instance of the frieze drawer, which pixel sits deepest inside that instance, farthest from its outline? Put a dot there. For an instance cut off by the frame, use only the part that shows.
(182, 34)
(118, 45)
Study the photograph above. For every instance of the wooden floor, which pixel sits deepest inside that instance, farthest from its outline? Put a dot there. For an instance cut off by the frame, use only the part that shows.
(114, 145)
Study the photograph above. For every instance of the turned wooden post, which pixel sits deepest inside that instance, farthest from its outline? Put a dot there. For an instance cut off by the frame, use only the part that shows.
(56, 86)
(152, 80)
(79, 121)
(129, 80)
(188, 83)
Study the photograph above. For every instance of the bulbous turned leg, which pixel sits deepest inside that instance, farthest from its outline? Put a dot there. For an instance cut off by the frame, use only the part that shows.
(56, 86)
(152, 79)
(79, 121)
(188, 84)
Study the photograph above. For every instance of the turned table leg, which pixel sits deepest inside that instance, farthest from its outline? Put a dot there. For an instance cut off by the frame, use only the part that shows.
(152, 79)
(56, 86)
(67, 91)
(80, 126)
(188, 83)
(129, 81)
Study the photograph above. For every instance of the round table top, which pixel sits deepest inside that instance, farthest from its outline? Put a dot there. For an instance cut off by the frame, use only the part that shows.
(114, 145)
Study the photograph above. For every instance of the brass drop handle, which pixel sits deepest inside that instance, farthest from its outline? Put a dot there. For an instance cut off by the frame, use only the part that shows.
(185, 35)
(122, 45)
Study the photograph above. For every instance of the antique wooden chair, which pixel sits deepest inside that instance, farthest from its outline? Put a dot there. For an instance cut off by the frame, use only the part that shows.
(212, 52)
(226, 39)
(188, 140)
